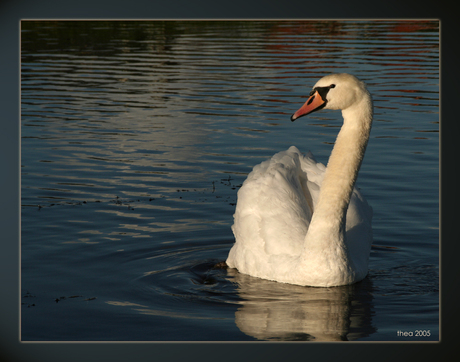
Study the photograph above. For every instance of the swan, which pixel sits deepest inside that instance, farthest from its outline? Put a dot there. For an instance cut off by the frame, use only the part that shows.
(299, 222)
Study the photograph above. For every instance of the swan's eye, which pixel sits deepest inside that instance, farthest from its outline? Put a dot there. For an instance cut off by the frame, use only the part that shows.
(332, 86)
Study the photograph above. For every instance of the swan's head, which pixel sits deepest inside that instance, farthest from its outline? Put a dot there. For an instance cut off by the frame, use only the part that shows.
(335, 91)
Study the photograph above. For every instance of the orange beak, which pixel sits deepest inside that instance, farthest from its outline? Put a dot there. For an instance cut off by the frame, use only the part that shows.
(313, 103)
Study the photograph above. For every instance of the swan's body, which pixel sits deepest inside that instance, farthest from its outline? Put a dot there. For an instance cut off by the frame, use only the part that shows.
(299, 222)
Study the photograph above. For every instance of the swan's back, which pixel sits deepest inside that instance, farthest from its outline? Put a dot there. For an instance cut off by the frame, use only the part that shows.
(274, 210)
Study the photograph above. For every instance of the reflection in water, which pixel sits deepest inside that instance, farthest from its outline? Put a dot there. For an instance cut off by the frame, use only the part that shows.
(259, 308)
(277, 311)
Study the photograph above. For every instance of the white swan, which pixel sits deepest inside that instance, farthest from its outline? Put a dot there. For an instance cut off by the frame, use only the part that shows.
(299, 222)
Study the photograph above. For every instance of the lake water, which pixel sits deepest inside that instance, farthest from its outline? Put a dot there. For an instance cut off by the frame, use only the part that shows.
(136, 137)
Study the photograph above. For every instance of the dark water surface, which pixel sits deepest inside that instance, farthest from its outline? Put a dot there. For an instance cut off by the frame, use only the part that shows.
(136, 137)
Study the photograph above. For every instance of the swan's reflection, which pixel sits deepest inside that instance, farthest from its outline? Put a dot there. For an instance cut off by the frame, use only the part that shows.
(278, 311)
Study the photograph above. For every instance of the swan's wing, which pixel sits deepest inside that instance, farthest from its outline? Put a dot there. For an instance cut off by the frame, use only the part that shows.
(359, 211)
(272, 214)
(274, 209)
(314, 172)
(359, 228)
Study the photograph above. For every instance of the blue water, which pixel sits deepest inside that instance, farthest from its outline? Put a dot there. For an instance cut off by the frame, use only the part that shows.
(136, 137)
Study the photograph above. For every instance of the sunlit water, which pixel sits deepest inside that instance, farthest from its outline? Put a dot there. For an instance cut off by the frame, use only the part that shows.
(136, 137)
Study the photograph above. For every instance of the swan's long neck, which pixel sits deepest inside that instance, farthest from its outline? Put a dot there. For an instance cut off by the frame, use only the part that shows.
(327, 227)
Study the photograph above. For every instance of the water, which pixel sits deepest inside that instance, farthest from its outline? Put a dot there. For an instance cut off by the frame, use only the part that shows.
(136, 137)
